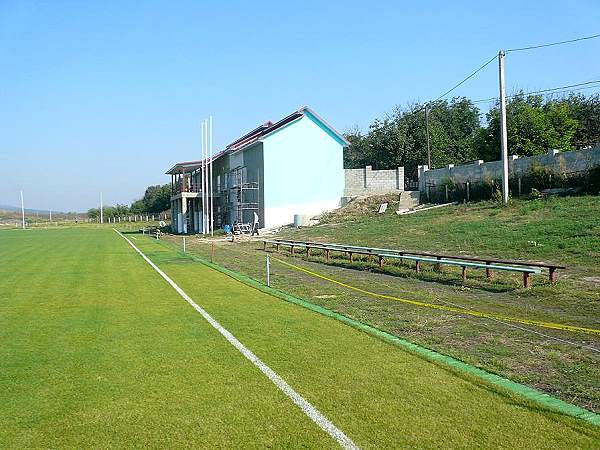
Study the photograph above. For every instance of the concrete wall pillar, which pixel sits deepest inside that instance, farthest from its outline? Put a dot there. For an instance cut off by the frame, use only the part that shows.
(184, 213)
(368, 176)
(422, 177)
(173, 215)
(400, 178)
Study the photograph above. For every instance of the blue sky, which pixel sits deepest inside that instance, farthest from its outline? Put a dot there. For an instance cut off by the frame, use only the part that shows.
(105, 96)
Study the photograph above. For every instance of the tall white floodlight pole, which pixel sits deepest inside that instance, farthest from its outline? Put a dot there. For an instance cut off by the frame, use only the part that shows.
(205, 187)
(503, 134)
(50, 214)
(210, 178)
(22, 211)
(202, 177)
(101, 209)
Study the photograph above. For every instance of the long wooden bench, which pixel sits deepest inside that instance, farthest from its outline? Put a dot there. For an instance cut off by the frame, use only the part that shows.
(465, 262)
(552, 268)
(526, 271)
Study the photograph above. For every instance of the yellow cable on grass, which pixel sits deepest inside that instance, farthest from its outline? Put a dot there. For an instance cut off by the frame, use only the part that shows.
(537, 323)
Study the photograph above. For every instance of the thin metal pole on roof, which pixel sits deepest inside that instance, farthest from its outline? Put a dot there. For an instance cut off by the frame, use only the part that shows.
(210, 180)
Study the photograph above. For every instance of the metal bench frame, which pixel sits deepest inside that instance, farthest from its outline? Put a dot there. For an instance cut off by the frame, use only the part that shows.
(465, 262)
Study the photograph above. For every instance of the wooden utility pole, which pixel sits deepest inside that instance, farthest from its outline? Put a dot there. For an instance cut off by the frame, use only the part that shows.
(503, 133)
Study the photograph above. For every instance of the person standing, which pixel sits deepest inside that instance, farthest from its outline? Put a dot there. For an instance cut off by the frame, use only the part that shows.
(255, 224)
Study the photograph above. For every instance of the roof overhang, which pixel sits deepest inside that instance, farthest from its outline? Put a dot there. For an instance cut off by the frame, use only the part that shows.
(191, 166)
(182, 167)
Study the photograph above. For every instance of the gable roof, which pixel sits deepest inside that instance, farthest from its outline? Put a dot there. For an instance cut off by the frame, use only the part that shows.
(263, 131)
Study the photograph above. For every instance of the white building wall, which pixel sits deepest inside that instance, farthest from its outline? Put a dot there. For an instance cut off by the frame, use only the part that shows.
(304, 171)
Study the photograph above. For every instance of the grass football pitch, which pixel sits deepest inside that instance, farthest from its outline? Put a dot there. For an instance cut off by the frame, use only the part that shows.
(97, 350)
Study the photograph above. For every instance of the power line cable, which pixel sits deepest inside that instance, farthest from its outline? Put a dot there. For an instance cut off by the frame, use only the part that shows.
(475, 72)
(467, 78)
(555, 90)
(532, 47)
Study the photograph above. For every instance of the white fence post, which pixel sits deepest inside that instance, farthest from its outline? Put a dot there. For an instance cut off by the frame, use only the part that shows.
(268, 271)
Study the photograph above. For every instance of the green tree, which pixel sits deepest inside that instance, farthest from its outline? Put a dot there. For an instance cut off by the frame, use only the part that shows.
(586, 111)
(156, 199)
(357, 154)
(138, 207)
(534, 126)
(401, 138)
(93, 213)
(121, 210)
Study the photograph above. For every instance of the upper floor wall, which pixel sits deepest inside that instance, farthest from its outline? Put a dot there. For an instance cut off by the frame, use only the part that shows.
(303, 170)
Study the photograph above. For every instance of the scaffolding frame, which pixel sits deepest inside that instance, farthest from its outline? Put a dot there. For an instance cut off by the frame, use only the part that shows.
(237, 193)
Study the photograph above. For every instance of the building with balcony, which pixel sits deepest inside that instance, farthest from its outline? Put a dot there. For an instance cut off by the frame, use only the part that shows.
(292, 166)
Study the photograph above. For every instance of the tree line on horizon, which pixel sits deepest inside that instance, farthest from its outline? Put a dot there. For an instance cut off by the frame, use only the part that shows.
(156, 199)
(457, 133)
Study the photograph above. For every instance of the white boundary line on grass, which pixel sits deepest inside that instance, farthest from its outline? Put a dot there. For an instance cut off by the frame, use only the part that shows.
(307, 407)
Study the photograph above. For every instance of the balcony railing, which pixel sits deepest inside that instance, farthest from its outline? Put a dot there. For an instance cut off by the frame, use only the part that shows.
(177, 188)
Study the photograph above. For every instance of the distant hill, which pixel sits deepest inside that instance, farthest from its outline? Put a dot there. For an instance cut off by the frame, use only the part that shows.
(10, 208)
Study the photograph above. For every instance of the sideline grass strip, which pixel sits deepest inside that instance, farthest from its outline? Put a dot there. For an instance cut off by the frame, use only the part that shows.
(537, 323)
(312, 412)
(540, 398)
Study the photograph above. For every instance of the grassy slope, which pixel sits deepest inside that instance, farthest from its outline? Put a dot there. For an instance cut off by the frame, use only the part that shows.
(98, 351)
(564, 230)
(559, 368)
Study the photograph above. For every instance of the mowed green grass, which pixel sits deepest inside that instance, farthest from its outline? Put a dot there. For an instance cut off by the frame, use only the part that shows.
(98, 351)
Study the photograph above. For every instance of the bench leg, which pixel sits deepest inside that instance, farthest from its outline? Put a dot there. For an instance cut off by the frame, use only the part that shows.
(308, 252)
(437, 267)
(277, 248)
(350, 256)
(488, 272)
(417, 266)
(526, 280)
(464, 273)
(552, 275)
(381, 261)
(327, 255)
(265, 246)
(291, 249)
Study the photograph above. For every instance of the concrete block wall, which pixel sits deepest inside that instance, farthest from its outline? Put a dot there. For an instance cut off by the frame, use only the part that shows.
(559, 162)
(367, 181)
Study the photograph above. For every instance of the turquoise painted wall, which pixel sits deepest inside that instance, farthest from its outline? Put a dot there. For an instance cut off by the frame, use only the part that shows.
(303, 165)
